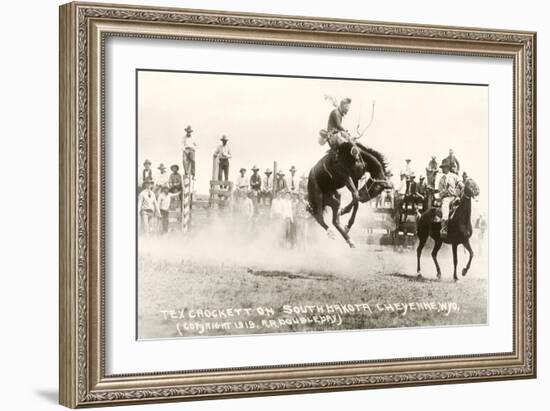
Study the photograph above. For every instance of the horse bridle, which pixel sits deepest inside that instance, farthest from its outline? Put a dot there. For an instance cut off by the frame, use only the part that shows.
(373, 181)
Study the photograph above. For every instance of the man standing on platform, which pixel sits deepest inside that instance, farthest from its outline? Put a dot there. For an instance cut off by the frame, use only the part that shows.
(223, 154)
(188, 147)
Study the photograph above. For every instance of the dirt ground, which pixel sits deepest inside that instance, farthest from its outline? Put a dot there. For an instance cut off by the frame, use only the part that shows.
(220, 283)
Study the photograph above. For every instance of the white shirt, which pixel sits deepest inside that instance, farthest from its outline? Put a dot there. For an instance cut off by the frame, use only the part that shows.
(448, 185)
(147, 201)
(162, 179)
(223, 151)
(165, 199)
(188, 143)
(267, 183)
(402, 187)
(242, 182)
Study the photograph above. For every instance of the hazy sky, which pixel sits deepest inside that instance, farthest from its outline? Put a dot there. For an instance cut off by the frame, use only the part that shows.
(278, 118)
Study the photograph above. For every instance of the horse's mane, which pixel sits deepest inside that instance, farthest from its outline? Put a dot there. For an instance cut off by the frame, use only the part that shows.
(377, 155)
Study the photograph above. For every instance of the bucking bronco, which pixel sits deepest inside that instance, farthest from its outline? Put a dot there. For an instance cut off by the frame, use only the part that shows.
(332, 172)
(459, 229)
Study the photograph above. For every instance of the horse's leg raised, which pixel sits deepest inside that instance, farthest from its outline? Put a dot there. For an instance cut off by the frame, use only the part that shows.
(352, 218)
(350, 184)
(421, 243)
(316, 209)
(348, 208)
(468, 247)
(435, 250)
(334, 204)
(455, 260)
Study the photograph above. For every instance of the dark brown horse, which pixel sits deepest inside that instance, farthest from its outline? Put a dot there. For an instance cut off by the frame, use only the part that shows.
(459, 230)
(331, 173)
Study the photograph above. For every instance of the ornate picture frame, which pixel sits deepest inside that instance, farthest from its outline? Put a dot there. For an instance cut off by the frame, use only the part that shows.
(84, 29)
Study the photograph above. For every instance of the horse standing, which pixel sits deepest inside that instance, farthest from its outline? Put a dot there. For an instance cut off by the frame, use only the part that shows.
(459, 230)
(331, 173)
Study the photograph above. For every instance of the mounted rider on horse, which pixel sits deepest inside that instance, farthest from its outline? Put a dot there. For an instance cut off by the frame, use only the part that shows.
(344, 165)
(336, 135)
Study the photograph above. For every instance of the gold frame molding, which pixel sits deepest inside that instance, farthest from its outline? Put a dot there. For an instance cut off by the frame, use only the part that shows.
(84, 27)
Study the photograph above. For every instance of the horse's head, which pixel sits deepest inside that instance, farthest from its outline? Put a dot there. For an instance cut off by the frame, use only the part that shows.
(471, 189)
(372, 188)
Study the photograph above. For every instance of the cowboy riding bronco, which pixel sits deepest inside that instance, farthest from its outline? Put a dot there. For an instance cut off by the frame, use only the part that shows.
(336, 134)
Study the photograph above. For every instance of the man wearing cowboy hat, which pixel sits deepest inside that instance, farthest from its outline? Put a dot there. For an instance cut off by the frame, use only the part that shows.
(448, 191)
(431, 171)
(280, 182)
(255, 180)
(162, 177)
(223, 154)
(147, 207)
(408, 170)
(164, 202)
(188, 147)
(453, 162)
(336, 131)
(400, 194)
(412, 197)
(146, 173)
(175, 184)
(242, 181)
(267, 187)
(422, 190)
(292, 183)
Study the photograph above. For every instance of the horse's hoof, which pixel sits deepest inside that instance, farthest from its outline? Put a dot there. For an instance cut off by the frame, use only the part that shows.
(464, 272)
(419, 275)
(351, 244)
(439, 276)
(455, 278)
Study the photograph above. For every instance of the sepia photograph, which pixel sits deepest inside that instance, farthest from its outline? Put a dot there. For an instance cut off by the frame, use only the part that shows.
(288, 204)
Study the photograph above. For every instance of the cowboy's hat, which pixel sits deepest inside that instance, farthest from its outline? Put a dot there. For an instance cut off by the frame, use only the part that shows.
(304, 176)
(174, 167)
(161, 166)
(188, 129)
(268, 171)
(346, 100)
(242, 169)
(280, 173)
(292, 169)
(255, 168)
(146, 162)
(445, 163)
(224, 138)
(422, 177)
